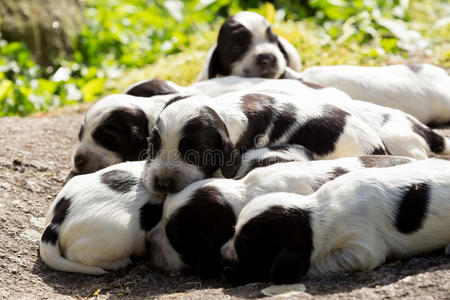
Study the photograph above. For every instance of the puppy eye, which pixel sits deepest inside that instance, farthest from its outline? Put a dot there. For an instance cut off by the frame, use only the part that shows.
(108, 141)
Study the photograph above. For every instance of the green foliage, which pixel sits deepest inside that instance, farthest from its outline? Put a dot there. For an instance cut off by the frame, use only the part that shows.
(125, 41)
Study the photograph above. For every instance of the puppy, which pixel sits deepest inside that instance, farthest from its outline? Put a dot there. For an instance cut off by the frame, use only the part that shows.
(247, 47)
(115, 130)
(198, 220)
(194, 139)
(218, 86)
(353, 223)
(98, 220)
(420, 90)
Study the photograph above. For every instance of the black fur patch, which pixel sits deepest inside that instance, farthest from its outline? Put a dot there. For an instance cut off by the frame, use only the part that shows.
(284, 120)
(320, 134)
(386, 118)
(202, 141)
(151, 88)
(50, 235)
(232, 43)
(275, 245)
(415, 68)
(199, 229)
(435, 141)
(382, 161)
(81, 132)
(412, 208)
(175, 99)
(60, 211)
(271, 36)
(150, 215)
(154, 144)
(336, 173)
(379, 151)
(123, 131)
(119, 180)
(260, 112)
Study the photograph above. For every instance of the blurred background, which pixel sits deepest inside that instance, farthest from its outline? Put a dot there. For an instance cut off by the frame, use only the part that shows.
(59, 52)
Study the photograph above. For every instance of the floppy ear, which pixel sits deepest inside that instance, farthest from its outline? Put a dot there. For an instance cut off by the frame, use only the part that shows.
(209, 264)
(211, 65)
(291, 54)
(289, 266)
(232, 160)
(214, 67)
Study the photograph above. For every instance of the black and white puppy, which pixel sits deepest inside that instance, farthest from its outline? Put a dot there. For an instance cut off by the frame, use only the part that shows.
(352, 223)
(194, 139)
(420, 90)
(247, 47)
(218, 86)
(115, 130)
(99, 220)
(197, 221)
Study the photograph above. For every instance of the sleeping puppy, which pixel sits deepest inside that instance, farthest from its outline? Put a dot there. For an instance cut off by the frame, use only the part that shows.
(99, 220)
(194, 139)
(353, 223)
(247, 47)
(218, 86)
(197, 221)
(420, 90)
(115, 130)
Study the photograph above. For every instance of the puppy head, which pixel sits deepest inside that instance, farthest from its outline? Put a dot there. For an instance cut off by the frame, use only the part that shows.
(115, 130)
(196, 222)
(247, 47)
(189, 142)
(273, 241)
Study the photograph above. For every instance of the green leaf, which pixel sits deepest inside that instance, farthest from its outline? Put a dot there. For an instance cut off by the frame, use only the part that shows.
(92, 89)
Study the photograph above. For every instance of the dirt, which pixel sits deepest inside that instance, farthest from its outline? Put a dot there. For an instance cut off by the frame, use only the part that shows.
(34, 161)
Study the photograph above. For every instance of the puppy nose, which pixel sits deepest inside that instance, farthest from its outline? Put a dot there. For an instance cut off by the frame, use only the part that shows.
(266, 59)
(79, 161)
(164, 184)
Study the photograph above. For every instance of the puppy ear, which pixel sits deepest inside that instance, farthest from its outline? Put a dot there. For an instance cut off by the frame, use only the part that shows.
(209, 264)
(289, 266)
(214, 67)
(290, 53)
(232, 160)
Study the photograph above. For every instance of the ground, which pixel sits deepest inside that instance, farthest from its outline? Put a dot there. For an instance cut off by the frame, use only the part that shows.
(34, 161)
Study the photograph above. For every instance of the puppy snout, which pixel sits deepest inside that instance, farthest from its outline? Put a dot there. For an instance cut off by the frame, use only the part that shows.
(164, 184)
(266, 59)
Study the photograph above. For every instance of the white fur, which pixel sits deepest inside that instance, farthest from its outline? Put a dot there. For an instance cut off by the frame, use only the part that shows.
(303, 177)
(424, 94)
(101, 229)
(353, 217)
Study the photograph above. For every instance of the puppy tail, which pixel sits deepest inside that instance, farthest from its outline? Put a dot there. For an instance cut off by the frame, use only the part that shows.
(51, 255)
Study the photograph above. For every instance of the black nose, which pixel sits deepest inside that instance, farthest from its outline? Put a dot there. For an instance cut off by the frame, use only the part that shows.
(266, 59)
(79, 161)
(164, 184)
